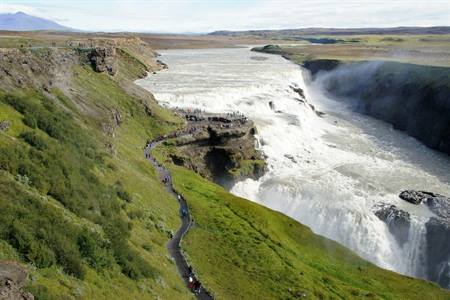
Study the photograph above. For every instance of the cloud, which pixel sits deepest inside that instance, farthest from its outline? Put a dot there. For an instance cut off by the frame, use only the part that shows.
(13, 8)
(205, 16)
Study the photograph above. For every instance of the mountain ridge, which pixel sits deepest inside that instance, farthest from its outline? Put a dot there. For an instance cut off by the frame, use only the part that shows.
(21, 21)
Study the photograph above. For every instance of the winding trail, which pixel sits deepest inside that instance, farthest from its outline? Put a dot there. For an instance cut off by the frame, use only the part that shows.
(173, 246)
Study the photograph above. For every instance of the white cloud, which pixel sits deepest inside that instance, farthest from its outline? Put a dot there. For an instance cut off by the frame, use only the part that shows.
(204, 16)
(13, 8)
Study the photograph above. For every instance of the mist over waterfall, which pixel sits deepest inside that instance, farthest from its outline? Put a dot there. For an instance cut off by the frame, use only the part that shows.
(329, 167)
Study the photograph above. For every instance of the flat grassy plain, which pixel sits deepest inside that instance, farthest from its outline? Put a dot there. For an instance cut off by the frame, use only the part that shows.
(10, 39)
(433, 50)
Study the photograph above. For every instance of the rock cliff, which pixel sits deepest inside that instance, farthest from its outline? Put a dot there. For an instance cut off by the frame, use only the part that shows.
(437, 230)
(413, 98)
(220, 147)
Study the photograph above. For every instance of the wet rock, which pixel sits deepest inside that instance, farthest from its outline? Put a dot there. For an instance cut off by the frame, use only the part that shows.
(291, 158)
(162, 65)
(299, 91)
(397, 220)
(414, 197)
(317, 65)
(5, 125)
(12, 280)
(437, 234)
(438, 251)
(413, 98)
(438, 204)
(103, 60)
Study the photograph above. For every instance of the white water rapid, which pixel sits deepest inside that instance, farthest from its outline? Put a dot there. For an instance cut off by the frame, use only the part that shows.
(326, 172)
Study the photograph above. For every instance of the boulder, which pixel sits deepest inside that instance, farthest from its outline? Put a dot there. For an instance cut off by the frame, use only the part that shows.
(161, 65)
(414, 197)
(5, 125)
(397, 220)
(12, 280)
(299, 91)
(438, 204)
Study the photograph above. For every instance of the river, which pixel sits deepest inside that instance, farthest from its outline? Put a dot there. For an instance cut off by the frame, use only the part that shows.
(326, 171)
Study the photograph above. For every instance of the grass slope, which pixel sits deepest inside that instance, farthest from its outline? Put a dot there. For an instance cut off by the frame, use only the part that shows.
(245, 251)
(87, 223)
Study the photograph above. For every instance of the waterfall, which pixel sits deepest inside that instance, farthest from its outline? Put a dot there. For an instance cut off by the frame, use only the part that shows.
(327, 166)
(415, 259)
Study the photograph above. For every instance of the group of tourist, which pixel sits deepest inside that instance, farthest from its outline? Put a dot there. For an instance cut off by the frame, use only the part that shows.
(193, 283)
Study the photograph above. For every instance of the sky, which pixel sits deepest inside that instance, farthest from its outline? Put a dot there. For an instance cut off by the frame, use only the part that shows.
(200, 16)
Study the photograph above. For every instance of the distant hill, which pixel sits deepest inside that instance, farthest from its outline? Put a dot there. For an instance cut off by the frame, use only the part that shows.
(22, 22)
(337, 31)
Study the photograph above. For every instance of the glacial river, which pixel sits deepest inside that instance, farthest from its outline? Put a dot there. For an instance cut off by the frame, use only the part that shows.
(328, 172)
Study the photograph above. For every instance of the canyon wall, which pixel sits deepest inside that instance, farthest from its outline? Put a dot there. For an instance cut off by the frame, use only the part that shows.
(413, 98)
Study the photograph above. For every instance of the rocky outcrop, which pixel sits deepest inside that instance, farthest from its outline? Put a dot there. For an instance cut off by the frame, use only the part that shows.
(413, 98)
(161, 65)
(414, 197)
(317, 65)
(12, 281)
(438, 251)
(110, 126)
(298, 90)
(397, 220)
(103, 60)
(219, 147)
(438, 204)
(4, 125)
(437, 234)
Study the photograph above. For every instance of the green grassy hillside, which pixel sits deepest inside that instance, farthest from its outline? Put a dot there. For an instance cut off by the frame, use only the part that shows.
(81, 208)
(245, 251)
(87, 216)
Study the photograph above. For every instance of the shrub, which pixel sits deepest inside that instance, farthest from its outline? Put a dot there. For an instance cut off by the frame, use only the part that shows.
(59, 164)
(93, 250)
(33, 140)
(124, 195)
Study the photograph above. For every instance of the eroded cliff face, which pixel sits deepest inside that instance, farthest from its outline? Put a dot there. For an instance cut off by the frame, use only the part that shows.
(220, 147)
(413, 98)
(437, 236)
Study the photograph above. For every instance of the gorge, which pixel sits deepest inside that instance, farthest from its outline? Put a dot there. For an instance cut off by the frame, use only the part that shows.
(328, 167)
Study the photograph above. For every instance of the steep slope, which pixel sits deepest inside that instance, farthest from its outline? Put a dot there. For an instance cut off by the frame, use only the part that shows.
(80, 207)
(22, 22)
(413, 98)
(242, 250)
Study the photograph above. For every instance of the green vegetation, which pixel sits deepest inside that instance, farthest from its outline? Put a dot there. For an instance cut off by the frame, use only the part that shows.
(81, 208)
(88, 217)
(248, 168)
(242, 250)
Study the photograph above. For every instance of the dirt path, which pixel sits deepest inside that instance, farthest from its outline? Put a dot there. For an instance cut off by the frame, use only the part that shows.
(186, 221)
